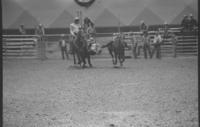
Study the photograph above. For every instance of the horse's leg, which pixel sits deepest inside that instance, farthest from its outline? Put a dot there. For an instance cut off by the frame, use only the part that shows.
(116, 54)
(122, 57)
(110, 52)
(79, 58)
(84, 62)
(89, 60)
(113, 59)
(82, 58)
(74, 57)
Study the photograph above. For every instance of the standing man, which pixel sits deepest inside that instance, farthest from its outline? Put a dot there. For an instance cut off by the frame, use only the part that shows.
(63, 47)
(174, 40)
(166, 29)
(140, 43)
(41, 42)
(146, 47)
(22, 29)
(134, 46)
(157, 43)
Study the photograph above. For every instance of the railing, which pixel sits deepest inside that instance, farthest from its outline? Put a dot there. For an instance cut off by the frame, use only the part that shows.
(26, 46)
(20, 46)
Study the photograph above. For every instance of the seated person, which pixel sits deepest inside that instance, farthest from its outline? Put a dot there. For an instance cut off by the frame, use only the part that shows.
(22, 29)
(185, 22)
(143, 27)
(192, 22)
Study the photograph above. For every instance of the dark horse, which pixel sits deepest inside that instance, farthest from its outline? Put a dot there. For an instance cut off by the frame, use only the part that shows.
(79, 48)
(117, 50)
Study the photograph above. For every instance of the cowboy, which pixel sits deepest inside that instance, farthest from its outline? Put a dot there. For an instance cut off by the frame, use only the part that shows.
(22, 29)
(74, 29)
(134, 45)
(63, 47)
(156, 43)
(146, 46)
(42, 46)
(140, 43)
(89, 27)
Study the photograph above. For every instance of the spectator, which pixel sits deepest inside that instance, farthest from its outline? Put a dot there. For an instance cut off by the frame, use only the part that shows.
(40, 30)
(192, 22)
(157, 43)
(185, 22)
(63, 47)
(22, 29)
(143, 26)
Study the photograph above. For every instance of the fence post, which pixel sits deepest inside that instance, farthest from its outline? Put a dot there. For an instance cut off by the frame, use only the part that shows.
(42, 47)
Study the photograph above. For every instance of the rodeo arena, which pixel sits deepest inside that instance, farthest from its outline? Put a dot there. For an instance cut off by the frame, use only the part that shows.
(100, 63)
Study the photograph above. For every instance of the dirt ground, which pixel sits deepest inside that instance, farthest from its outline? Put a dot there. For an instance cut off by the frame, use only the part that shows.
(143, 93)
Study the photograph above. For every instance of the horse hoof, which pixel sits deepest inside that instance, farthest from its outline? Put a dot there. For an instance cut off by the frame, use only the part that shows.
(84, 66)
(90, 65)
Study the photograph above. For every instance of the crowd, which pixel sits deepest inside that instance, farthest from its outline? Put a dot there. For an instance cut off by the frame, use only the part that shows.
(151, 46)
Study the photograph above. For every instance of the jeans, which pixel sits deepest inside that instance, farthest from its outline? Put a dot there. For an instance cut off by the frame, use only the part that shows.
(156, 49)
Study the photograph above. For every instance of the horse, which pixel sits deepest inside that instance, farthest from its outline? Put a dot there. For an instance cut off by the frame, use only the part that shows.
(80, 49)
(116, 49)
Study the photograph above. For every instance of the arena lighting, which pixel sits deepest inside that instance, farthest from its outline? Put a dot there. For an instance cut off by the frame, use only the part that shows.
(84, 3)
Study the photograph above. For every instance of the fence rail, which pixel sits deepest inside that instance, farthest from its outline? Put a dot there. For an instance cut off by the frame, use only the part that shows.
(26, 46)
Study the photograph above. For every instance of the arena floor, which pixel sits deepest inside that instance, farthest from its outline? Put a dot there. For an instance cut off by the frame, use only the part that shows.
(143, 93)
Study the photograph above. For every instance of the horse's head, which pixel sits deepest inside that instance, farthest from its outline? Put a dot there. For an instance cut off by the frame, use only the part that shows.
(81, 40)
